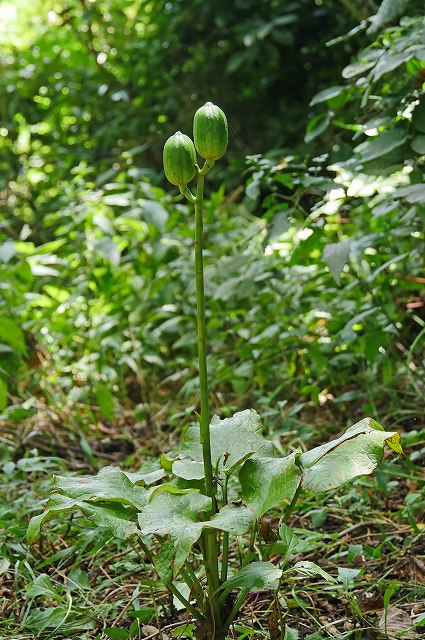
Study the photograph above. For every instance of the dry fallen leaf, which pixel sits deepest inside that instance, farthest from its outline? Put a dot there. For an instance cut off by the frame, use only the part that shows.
(395, 622)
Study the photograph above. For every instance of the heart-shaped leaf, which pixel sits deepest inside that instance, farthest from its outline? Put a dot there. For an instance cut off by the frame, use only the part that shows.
(232, 441)
(268, 482)
(182, 517)
(114, 516)
(110, 484)
(357, 452)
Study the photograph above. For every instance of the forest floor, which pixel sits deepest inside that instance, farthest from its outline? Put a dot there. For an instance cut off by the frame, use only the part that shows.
(80, 582)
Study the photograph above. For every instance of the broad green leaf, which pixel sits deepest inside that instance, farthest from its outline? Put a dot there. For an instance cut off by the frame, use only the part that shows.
(188, 469)
(357, 68)
(145, 479)
(110, 485)
(390, 61)
(116, 633)
(418, 145)
(170, 488)
(114, 517)
(109, 250)
(291, 633)
(177, 516)
(326, 94)
(232, 440)
(412, 193)
(105, 399)
(78, 579)
(7, 250)
(236, 519)
(268, 482)
(310, 569)
(381, 145)
(182, 518)
(12, 334)
(388, 12)
(346, 576)
(256, 575)
(336, 256)
(357, 452)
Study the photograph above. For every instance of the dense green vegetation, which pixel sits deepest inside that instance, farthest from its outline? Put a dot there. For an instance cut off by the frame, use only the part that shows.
(314, 267)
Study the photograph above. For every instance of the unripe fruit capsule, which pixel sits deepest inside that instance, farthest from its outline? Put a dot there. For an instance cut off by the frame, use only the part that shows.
(210, 132)
(179, 159)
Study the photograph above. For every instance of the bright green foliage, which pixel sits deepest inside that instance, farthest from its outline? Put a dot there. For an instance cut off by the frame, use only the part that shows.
(113, 499)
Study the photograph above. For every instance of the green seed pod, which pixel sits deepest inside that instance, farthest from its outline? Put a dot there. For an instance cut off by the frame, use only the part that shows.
(210, 132)
(179, 159)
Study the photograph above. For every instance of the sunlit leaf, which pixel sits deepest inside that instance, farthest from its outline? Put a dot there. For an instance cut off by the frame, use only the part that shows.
(110, 484)
(358, 452)
(232, 441)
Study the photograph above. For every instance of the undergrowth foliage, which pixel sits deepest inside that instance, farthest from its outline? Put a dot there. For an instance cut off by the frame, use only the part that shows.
(225, 478)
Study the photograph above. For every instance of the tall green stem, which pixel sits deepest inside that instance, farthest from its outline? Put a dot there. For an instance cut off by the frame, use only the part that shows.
(202, 355)
(209, 546)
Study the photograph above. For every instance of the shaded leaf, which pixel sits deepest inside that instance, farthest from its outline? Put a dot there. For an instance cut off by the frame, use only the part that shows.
(12, 334)
(114, 517)
(380, 145)
(388, 13)
(336, 256)
(317, 126)
(311, 569)
(412, 193)
(326, 94)
(268, 482)
(182, 517)
(256, 575)
(418, 145)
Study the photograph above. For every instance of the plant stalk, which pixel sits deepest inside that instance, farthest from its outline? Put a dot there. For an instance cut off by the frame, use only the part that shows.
(225, 545)
(202, 355)
(209, 537)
